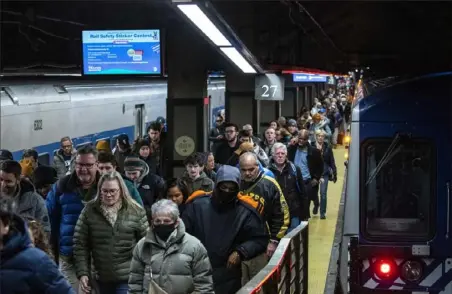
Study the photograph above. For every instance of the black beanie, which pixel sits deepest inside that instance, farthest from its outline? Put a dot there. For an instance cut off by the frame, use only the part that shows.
(44, 175)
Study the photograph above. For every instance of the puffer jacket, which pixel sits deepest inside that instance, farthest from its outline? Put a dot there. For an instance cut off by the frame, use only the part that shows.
(60, 165)
(180, 265)
(203, 182)
(31, 204)
(26, 269)
(111, 247)
(64, 205)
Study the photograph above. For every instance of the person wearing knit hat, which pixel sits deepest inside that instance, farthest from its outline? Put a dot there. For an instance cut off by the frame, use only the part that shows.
(150, 186)
(141, 147)
(292, 127)
(103, 145)
(44, 177)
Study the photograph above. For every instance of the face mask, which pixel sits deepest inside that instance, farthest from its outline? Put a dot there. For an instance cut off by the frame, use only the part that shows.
(164, 231)
(223, 197)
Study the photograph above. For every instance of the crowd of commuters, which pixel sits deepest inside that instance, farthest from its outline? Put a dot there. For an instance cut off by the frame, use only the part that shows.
(106, 220)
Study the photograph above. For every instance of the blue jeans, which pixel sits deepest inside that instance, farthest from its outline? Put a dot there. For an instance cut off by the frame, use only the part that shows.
(323, 191)
(294, 222)
(113, 288)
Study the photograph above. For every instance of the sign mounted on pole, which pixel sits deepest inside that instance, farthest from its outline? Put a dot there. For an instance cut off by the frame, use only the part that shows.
(269, 87)
(184, 146)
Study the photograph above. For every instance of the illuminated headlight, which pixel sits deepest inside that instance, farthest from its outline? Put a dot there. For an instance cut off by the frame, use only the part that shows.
(347, 139)
(411, 271)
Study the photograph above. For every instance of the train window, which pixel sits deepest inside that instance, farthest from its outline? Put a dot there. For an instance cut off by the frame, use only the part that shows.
(44, 158)
(398, 188)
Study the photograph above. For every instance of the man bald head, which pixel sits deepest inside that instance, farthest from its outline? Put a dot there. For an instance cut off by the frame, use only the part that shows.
(303, 137)
(249, 166)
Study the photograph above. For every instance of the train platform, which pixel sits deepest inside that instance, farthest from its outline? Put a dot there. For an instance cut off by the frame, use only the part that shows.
(322, 232)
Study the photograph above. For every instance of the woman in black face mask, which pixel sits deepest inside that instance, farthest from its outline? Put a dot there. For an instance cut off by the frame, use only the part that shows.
(170, 257)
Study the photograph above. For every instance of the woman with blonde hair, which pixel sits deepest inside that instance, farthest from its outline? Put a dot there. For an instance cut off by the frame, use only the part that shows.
(107, 230)
(329, 168)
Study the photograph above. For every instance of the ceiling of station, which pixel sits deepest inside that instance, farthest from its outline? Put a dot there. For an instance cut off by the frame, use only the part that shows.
(389, 37)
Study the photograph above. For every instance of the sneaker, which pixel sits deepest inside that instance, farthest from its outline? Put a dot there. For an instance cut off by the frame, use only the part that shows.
(315, 211)
(322, 216)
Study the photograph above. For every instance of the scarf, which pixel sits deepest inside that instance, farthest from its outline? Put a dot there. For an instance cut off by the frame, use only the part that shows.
(111, 212)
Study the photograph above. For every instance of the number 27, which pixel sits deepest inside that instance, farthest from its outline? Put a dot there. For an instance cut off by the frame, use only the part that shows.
(267, 88)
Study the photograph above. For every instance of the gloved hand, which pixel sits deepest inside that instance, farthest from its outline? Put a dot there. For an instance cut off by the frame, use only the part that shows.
(334, 179)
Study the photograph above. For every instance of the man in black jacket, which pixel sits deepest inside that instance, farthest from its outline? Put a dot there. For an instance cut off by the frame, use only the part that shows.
(150, 186)
(310, 161)
(291, 182)
(230, 230)
(226, 148)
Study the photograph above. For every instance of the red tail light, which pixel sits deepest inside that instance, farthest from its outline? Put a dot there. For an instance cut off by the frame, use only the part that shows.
(385, 269)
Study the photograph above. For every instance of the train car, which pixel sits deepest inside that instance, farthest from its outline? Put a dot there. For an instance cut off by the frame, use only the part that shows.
(396, 234)
(37, 114)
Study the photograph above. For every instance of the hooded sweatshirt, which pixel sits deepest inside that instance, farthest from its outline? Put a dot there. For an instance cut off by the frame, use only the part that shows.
(203, 182)
(225, 228)
(26, 269)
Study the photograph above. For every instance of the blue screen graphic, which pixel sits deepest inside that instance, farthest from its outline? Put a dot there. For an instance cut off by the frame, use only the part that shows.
(311, 78)
(121, 52)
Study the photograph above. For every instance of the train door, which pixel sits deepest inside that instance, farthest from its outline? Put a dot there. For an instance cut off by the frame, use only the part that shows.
(139, 120)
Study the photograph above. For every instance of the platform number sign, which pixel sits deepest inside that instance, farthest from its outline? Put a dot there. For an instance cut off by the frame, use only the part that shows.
(37, 126)
(269, 87)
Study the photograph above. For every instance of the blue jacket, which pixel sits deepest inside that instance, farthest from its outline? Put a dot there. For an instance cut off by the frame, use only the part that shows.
(26, 269)
(64, 205)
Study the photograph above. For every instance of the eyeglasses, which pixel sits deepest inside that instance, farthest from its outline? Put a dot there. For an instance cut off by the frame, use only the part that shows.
(111, 191)
(84, 165)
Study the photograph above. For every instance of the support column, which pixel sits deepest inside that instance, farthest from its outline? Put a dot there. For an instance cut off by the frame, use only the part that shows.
(241, 107)
(187, 87)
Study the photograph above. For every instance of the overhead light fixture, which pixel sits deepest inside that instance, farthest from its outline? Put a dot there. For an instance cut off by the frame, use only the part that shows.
(195, 14)
(238, 59)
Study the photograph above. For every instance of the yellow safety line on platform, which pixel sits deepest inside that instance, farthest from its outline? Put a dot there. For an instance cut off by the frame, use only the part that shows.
(321, 232)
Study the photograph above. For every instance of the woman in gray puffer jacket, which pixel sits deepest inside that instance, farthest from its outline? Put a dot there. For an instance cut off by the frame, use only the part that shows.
(169, 256)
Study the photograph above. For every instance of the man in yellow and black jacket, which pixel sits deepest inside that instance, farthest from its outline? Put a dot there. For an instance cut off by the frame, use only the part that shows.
(264, 194)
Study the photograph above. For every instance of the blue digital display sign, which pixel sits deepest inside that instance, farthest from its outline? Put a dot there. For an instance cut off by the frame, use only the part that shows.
(309, 78)
(121, 52)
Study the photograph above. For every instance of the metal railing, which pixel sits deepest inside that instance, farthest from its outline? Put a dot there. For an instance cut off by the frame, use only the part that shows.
(287, 270)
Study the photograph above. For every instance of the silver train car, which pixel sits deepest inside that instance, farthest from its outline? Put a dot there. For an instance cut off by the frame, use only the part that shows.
(37, 114)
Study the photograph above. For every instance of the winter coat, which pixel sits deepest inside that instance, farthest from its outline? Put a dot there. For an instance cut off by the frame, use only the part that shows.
(26, 269)
(110, 246)
(203, 182)
(64, 204)
(223, 229)
(150, 187)
(60, 165)
(31, 204)
(180, 265)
